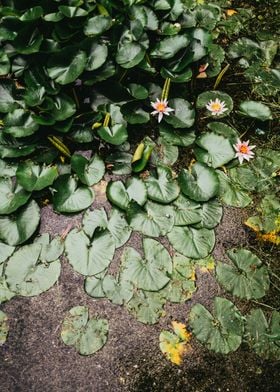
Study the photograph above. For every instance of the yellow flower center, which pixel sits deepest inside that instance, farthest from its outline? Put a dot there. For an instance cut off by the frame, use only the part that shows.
(161, 107)
(244, 149)
(216, 106)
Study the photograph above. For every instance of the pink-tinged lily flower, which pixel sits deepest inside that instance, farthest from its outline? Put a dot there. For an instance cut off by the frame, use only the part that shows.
(216, 107)
(161, 108)
(243, 151)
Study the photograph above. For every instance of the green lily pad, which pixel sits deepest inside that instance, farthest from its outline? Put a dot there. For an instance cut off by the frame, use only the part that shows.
(89, 256)
(183, 115)
(116, 134)
(176, 137)
(164, 153)
(186, 211)
(150, 273)
(19, 123)
(12, 196)
(5, 293)
(16, 228)
(33, 177)
(122, 196)
(182, 281)
(246, 278)
(211, 214)
(86, 335)
(231, 193)
(146, 307)
(257, 110)
(5, 252)
(221, 332)
(168, 47)
(153, 220)
(263, 336)
(97, 25)
(117, 225)
(191, 242)
(162, 187)
(214, 150)
(27, 274)
(118, 292)
(4, 327)
(201, 184)
(93, 285)
(91, 171)
(69, 197)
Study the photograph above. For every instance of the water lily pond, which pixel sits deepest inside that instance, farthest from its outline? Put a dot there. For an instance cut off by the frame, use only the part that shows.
(139, 195)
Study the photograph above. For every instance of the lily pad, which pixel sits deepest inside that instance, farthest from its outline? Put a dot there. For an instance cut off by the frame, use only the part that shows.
(214, 150)
(69, 196)
(12, 196)
(164, 153)
(153, 220)
(221, 332)
(118, 292)
(191, 242)
(33, 177)
(146, 307)
(183, 115)
(211, 214)
(246, 278)
(91, 171)
(201, 184)
(121, 195)
(86, 335)
(5, 252)
(162, 187)
(89, 257)
(263, 336)
(93, 285)
(27, 274)
(186, 211)
(231, 193)
(16, 228)
(257, 110)
(176, 137)
(152, 272)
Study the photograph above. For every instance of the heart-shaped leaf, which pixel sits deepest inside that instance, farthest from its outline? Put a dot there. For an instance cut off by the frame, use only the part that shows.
(201, 184)
(89, 257)
(162, 187)
(231, 193)
(121, 195)
(20, 123)
(191, 242)
(69, 196)
(97, 25)
(33, 177)
(221, 332)
(16, 228)
(264, 336)
(91, 171)
(257, 110)
(246, 278)
(12, 196)
(150, 273)
(27, 274)
(211, 214)
(118, 292)
(223, 103)
(86, 335)
(177, 137)
(183, 115)
(146, 307)
(186, 211)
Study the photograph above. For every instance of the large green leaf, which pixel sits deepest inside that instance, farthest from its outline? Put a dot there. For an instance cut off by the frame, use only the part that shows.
(204, 98)
(8, 100)
(27, 274)
(116, 134)
(215, 150)
(183, 115)
(211, 214)
(33, 177)
(231, 193)
(97, 25)
(162, 187)
(263, 336)
(256, 110)
(164, 153)
(67, 65)
(119, 292)
(182, 281)
(4, 327)
(186, 211)
(201, 184)
(89, 257)
(69, 196)
(12, 196)
(168, 47)
(191, 242)
(130, 54)
(20, 123)
(246, 278)
(19, 226)
(116, 225)
(153, 220)
(146, 306)
(121, 195)
(86, 335)
(5, 252)
(152, 272)
(221, 332)
(176, 137)
(91, 171)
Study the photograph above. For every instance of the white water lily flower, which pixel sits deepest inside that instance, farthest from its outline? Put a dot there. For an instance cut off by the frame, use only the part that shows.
(161, 107)
(216, 107)
(243, 151)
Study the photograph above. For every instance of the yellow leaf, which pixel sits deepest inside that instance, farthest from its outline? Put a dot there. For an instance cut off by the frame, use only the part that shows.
(231, 12)
(180, 331)
(272, 237)
(138, 152)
